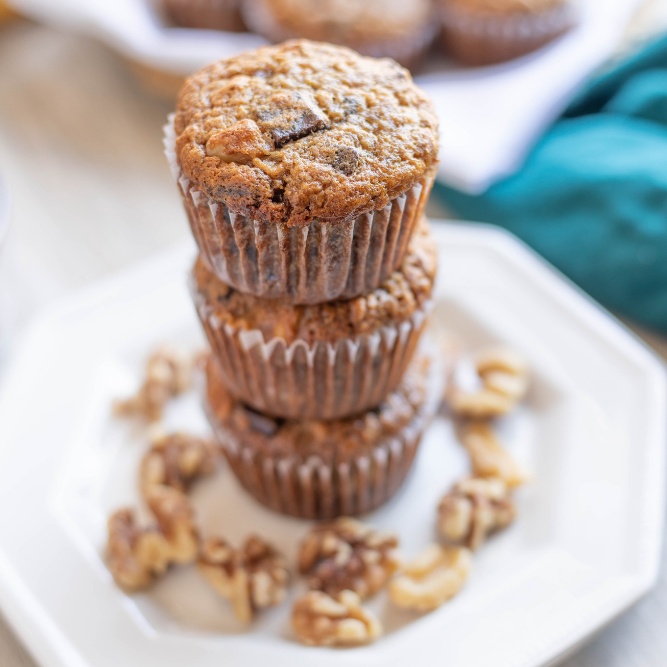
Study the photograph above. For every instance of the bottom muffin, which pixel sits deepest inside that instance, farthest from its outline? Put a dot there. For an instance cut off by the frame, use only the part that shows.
(325, 469)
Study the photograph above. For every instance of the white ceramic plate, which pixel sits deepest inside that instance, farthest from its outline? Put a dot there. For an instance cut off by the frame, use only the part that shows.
(490, 117)
(585, 545)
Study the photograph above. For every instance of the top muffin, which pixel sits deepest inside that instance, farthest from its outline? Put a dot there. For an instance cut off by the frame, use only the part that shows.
(304, 131)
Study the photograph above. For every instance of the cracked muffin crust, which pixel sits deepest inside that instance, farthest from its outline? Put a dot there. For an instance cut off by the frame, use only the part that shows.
(304, 131)
(324, 361)
(324, 469)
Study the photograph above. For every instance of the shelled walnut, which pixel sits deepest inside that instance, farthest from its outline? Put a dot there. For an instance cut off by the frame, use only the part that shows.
(176, 460)
(473, 509)
(346, 554)
(321, 620)
(505, 379)
(434, 577)
(488, 457)
(138, 555)
(251, 578)
(168, 374)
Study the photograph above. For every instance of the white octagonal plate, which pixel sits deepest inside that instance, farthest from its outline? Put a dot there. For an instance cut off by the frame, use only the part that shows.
(584, 547)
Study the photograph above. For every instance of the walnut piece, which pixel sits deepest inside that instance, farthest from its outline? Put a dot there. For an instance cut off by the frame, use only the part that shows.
(251, 578)
(176, 460)
(473, 509)
(488, 457)
(347, 554)
(239, 143)
(138, 555)
(321, 620)
(168, 374)
(435, 576)
(505, 378)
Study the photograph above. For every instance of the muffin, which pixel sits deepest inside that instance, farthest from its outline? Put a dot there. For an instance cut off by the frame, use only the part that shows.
(394, 28)
(206, 14)
(304, 168)
(324, 469)
(484, 32)
(323, 361)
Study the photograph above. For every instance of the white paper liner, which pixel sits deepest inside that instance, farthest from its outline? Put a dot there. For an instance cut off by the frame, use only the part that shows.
(311, 381)
(322, 490)
(483, 40)
(307, 264)
(407, 49)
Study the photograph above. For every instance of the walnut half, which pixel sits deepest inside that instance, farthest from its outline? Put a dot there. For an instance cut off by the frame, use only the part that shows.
(348, 555)
(435, 576)
(168, 373)
(473, 509)
(176, 460)
(505, 378)
(251, 578)
(488, 457)
(138, 555)
(321, 620)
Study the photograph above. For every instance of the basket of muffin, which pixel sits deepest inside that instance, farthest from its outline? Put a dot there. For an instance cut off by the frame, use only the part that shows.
(473, 32)
(304, 169)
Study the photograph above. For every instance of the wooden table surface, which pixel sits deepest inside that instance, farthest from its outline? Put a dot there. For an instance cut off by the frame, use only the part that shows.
(80, 144)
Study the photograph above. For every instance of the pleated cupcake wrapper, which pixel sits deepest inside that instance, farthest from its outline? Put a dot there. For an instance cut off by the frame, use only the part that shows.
(311, 381)
(307, 264)
(406, 49)
(316, 488)
(487, 39)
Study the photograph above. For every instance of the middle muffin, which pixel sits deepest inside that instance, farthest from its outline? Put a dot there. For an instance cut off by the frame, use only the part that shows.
(324, 361)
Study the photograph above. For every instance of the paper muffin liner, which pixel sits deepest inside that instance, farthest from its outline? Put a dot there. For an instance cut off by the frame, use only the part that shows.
(484, 40)
(350, 485)
(407, 49)
(206, 14)
(306, 264)
(321, 380)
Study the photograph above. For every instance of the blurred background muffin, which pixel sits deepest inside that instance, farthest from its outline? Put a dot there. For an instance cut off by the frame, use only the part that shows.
(206, 14)
(394, 28)
(483, 32)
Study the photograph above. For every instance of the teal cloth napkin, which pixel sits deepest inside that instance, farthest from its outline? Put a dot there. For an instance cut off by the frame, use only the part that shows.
(592, 195)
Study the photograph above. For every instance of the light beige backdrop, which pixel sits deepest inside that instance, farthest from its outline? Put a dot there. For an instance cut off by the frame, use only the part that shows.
(80, 144)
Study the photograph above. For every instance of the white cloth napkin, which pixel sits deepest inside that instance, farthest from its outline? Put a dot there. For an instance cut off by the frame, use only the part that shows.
(490, 117)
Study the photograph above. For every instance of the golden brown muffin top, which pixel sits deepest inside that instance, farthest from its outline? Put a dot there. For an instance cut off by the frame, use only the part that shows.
(335, 439)
(504, 7)
(349, 21)
(393, 302)
(304, 131)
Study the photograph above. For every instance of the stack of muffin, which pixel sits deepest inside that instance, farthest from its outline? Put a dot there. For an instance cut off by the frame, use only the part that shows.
(305, 169)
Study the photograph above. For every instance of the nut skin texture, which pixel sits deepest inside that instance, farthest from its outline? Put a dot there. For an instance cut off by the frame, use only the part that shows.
(136, 555)
(473, 509)
(251, 578)
(323, 620)
(177, 460)
(434, 577)
(348, 555)
(505, 379)
(488, 457)
(168, 374)
(308, 100)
